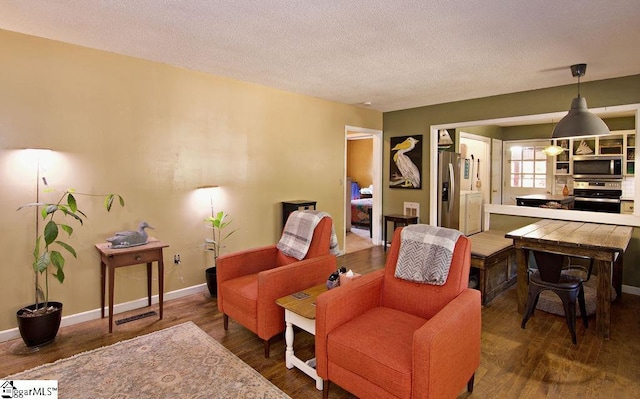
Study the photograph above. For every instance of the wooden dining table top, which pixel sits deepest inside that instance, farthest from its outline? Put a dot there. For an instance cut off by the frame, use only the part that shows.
(595, 236)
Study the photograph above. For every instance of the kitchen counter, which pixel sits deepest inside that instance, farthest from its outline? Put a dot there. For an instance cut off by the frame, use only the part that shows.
(543, 200)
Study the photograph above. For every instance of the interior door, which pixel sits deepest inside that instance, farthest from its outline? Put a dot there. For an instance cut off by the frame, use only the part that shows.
(526, 170)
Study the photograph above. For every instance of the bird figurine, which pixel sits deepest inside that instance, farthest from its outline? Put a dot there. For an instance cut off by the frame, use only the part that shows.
(409, 171)
(125, 239)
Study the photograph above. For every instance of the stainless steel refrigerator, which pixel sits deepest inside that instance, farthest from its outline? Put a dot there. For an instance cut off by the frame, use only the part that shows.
(449, 189)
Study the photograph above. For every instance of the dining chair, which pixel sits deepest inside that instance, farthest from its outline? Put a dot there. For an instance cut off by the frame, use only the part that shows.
(568, 286)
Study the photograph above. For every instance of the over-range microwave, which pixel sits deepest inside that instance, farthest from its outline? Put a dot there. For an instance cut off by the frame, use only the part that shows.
(597, 167)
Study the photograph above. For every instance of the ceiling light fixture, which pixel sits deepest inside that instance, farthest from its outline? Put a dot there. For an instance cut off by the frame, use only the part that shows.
(554, 149)
(579, 121)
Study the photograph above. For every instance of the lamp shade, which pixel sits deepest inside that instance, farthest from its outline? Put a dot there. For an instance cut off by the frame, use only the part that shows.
(579, 122)
(552, 150)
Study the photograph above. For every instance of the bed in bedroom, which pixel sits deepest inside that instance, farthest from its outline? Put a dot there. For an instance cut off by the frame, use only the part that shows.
(361, 206)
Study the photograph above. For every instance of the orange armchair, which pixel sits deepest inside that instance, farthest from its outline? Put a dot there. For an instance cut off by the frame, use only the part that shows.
(384, 337)
(250, 281)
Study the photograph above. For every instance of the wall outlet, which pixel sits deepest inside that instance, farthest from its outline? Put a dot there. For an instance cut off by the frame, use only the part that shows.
(412, 209)
(176, 259)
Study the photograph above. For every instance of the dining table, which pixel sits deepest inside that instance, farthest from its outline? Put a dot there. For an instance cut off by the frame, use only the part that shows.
(604, 243)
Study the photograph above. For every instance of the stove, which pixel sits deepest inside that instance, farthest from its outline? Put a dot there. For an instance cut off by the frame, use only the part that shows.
(597, 195)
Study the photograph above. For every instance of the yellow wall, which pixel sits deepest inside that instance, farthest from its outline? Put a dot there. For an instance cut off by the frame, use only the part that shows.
(153, 133)
(360, 161)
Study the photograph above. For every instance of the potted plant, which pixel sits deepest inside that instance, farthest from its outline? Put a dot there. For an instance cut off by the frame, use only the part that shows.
(38, 323)
(217, 222)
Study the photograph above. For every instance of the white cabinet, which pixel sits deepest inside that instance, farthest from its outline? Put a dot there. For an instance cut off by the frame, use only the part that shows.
(470, 212)
(626, 207)
(621, 142)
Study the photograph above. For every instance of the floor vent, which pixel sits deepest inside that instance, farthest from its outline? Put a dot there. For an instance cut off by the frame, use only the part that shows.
(136, 317)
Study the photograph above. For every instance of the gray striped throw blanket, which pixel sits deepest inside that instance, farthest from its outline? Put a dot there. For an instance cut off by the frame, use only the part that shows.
(425, 253)
(298, 232)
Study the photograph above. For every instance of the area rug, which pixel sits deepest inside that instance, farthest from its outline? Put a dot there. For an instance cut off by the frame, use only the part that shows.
(177, 362)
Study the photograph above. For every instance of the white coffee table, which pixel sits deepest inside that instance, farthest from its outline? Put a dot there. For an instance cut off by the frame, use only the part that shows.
(300, 311)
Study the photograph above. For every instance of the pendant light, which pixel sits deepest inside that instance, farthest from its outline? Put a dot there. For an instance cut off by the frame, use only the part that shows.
(579, 121)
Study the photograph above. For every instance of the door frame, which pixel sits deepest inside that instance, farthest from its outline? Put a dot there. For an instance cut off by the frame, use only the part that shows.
(351, 132)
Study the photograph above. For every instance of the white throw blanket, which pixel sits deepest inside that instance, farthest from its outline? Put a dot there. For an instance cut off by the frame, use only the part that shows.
(298, 232)
(426, 253)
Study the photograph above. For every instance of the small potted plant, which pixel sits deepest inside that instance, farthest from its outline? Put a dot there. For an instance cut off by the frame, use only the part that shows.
(39, 323)
(217, 222)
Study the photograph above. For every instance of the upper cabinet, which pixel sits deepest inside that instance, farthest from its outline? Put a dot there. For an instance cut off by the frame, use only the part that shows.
(561, 164)
(620, 142)
(630, 153)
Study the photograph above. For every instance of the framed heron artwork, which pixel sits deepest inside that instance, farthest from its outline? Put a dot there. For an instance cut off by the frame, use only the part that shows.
(405, 166)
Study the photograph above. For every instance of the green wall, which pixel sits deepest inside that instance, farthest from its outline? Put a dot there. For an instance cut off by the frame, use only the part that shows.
(417, 121)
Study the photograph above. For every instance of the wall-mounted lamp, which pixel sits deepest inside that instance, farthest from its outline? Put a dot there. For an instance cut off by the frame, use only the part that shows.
(579, 121)
(209, 187)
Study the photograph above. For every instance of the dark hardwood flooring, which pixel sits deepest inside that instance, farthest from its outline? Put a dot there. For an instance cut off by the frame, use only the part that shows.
(538, 362)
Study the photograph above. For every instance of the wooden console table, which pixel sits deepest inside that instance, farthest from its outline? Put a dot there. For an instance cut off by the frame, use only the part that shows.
(403, 220)
(112, 258)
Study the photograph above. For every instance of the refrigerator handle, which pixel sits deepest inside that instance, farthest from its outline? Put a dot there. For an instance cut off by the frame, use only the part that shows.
(453, 187)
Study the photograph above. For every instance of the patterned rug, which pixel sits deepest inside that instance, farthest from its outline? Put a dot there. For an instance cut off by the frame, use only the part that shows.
(177, 362)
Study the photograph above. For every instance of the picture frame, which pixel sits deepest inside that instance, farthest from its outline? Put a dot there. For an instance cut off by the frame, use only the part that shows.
(405, 162)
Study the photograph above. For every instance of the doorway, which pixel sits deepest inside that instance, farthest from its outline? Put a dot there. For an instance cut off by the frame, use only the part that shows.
(372, 179)
(476, 151)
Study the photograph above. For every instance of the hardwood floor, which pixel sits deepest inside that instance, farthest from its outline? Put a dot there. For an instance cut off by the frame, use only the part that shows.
(538, 362)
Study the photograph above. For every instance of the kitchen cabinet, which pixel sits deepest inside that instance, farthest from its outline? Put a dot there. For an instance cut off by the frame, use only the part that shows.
(562, 166)
(626, 207)
(470, 212)
(630, 154)
(621, 142)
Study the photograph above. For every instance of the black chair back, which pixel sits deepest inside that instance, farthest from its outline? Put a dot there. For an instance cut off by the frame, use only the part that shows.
(549, 265)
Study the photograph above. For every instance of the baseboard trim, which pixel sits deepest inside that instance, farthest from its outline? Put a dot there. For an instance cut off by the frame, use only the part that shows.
(629, 289)
(69, 320)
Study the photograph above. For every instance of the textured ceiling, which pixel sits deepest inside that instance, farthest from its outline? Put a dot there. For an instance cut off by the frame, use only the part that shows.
(395, 54)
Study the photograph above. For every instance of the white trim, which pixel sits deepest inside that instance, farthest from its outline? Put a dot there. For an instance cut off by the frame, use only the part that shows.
(69, 320)
(618, 219)
(629, 289)
(376, 135)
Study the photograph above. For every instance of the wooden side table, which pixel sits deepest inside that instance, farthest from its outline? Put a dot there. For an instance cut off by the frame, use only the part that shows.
(403, 220)
(112, 258)
(300, 311)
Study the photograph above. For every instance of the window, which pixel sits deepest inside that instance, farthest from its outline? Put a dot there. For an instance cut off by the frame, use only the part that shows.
(528, 167)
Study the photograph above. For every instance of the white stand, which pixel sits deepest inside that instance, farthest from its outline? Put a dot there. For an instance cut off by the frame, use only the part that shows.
(309, 325)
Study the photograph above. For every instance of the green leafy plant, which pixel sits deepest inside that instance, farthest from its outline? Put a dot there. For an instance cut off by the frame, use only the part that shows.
(49, 248)
(218, 222)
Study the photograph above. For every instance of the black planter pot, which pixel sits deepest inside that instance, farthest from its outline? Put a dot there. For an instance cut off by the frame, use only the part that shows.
(39, 330)
(212, 281)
